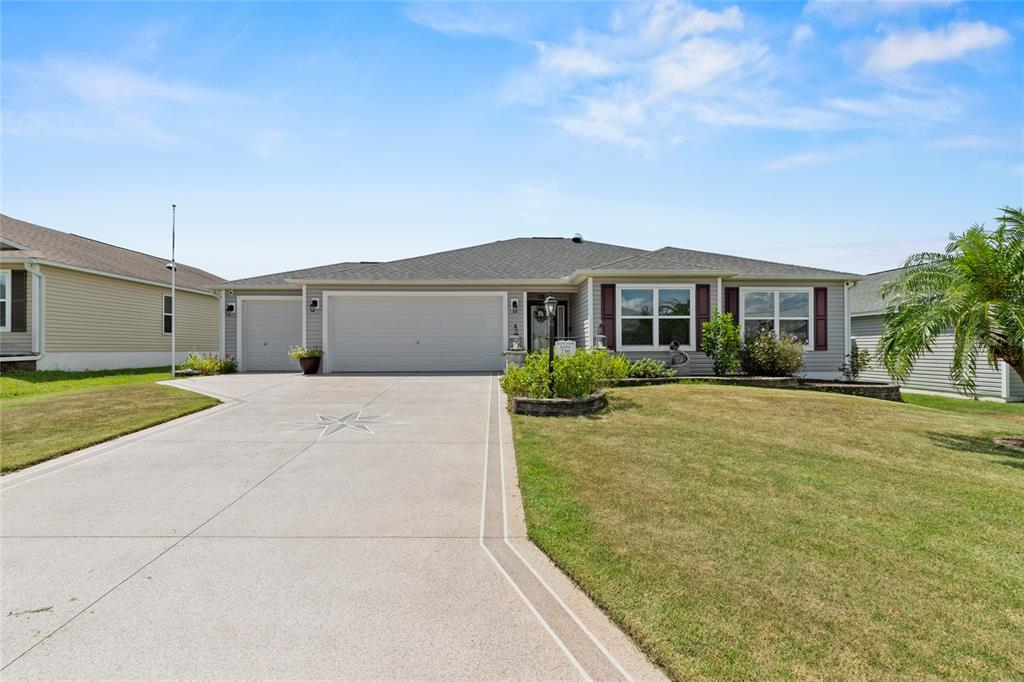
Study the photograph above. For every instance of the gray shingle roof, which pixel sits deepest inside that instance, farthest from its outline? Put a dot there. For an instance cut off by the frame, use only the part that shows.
(71, 249)
(538, 259)
(672, 258)
(865, 298)
(525, 258)
(280, 278)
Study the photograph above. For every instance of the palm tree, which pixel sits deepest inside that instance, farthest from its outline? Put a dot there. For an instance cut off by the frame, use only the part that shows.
(975, 289)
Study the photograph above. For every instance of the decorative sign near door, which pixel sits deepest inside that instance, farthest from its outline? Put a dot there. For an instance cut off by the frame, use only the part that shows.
(565, 347)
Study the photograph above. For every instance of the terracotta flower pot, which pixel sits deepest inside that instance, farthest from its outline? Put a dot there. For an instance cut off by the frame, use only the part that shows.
(309, 365)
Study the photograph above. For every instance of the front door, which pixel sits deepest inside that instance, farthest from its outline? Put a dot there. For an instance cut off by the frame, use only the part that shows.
(539, 327)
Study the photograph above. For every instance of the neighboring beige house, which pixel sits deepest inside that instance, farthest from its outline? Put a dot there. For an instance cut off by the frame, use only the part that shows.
(73, 303)
(931, 371)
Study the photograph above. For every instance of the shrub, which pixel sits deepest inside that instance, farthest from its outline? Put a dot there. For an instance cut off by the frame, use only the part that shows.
(766, 355)
(297, 352)
(578, 375)
(647, 368)
(858, 360)
(720, 341)
(208, 364)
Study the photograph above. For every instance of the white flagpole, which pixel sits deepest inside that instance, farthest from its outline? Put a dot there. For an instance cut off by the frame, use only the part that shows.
(174, 273)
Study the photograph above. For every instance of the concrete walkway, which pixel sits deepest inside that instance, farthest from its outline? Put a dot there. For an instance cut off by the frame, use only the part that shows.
(354, 527)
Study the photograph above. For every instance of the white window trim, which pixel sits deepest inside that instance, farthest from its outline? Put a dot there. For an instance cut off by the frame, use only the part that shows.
(164, 314)
(692, 288)
(6, 274)
(776, 290)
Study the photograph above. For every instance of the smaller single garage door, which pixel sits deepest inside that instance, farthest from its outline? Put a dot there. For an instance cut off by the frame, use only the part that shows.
(268, 329)
(416, 333)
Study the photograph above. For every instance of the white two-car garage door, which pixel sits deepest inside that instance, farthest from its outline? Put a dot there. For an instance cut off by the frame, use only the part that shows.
(375, 332)
(267, 328)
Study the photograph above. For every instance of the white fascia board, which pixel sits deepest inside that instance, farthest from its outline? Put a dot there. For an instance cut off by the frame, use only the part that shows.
(400, 283)
(111, 275)
(251, 287)
(580, 275)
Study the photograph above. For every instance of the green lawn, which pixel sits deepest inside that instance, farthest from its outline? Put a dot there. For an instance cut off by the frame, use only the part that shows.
(46, 414)
(1011, 412)
(754, 533)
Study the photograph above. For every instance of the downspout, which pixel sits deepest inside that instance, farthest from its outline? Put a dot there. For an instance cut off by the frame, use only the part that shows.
(223, 323)
(304, 304)
(846, 321)
(720, 305)
(591, 332)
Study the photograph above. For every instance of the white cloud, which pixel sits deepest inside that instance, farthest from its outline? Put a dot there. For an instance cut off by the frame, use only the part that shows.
(899, 51)
(699, 62)
(468, 19)
(798, 161)
(801, 34)
(573, 61)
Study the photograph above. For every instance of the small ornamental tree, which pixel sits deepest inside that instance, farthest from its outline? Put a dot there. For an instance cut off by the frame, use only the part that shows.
(720, 341)
(857, 361)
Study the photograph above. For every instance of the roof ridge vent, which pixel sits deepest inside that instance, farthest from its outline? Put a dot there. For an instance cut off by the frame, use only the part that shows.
(577, 238)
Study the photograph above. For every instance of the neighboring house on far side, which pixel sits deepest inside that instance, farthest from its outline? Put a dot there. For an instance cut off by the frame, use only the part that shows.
(931, 371)
(72, 303)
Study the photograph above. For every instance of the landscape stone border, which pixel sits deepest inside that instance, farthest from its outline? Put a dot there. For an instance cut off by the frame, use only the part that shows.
(559, 407)
(863, 389)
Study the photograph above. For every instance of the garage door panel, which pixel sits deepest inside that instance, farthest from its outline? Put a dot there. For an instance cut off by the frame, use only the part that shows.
(269, 329)
(416, 333)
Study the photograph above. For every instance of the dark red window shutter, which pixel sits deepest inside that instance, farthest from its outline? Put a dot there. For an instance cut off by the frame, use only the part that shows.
(703, 309)
(732, 303)
(820, 318)
(608, 314)
(19, 300)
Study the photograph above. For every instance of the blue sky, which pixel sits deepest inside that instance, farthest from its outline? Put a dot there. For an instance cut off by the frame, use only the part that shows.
(842, 135)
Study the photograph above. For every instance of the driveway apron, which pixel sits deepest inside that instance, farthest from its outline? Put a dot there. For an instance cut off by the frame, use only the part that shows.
(355, 527)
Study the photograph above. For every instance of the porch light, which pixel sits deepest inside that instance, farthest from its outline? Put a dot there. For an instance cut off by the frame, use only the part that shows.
(551, 306)
(514, 340)
(229, 308)
(314, 305)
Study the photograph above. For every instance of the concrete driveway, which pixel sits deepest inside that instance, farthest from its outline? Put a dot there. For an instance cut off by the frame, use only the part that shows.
(359, 527)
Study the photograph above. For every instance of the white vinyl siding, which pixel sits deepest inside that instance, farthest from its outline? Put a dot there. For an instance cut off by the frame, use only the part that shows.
(931, 371)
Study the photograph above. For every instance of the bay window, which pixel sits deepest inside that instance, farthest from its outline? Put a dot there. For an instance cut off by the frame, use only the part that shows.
(784, 311)
(655, 316)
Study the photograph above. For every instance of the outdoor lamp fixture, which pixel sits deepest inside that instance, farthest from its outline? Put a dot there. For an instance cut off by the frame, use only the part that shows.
(551, 307)
(229, 308)
(514, 341)
(314, 305)
(515, 305)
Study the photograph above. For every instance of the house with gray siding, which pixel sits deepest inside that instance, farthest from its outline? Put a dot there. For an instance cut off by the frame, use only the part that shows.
(465, 309)
(931, 371)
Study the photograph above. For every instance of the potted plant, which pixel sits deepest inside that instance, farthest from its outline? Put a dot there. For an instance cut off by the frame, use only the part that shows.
(308, 357)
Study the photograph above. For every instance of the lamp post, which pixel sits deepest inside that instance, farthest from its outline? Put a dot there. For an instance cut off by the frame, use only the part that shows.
(173, 267)
(551, 307)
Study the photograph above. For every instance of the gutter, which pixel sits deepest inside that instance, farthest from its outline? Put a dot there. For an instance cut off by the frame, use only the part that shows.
(100, 273)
